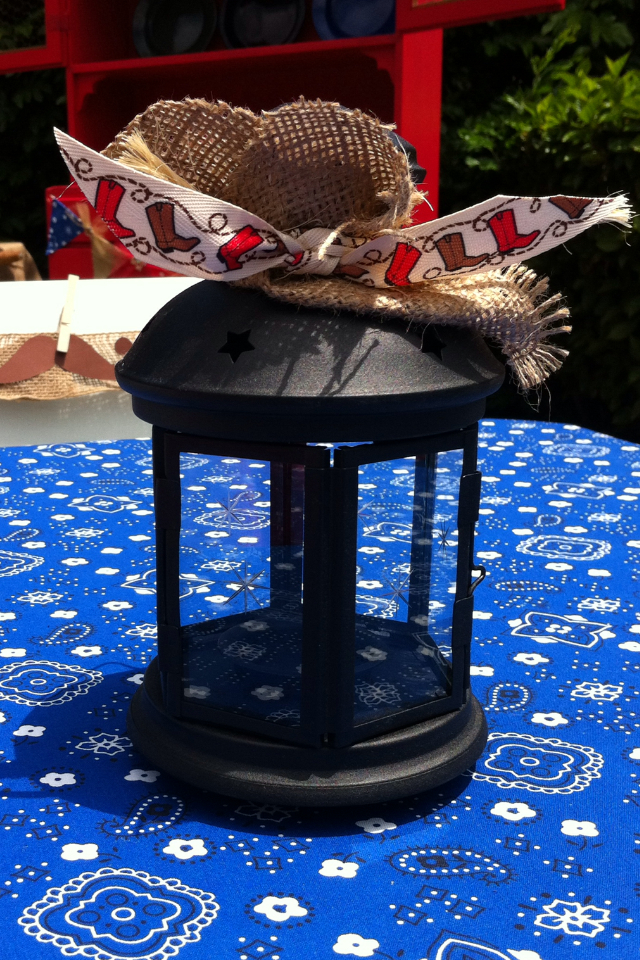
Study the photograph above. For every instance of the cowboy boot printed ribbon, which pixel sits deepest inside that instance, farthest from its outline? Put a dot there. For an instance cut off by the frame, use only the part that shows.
(451, 249)
(107, 200)
(503, 227)
(243, 242)
(404, 260)
(207, 238)
(161, 217)
(574, 207)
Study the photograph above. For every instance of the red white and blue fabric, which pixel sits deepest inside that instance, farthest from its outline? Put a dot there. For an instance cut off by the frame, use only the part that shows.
(64, 227)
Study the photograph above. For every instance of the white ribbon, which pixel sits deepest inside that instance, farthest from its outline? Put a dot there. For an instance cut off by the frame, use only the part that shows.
(192, 233)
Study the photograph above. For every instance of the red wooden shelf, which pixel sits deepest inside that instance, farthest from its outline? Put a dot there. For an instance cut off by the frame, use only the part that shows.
(431, 14)
(397, 77)
(105, 95)
(290, 51)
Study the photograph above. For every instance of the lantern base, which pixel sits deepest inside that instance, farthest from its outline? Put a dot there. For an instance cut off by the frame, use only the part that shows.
(250, 767)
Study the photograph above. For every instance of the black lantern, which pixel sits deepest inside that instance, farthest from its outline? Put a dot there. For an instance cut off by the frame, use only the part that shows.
(316, 493)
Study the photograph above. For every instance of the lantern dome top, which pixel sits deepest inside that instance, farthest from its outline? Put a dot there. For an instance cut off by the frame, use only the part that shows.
(230, 362)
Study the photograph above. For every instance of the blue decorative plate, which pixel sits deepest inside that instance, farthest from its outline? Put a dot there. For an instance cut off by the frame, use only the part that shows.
(261, 23)
(163, 27)
(336, 19)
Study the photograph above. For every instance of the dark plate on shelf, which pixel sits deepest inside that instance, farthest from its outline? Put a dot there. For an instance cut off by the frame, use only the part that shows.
(164, 27)
(261, 23)
(337, 19)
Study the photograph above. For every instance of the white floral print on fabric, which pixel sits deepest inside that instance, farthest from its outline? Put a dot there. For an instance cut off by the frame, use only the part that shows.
(597, 691)
(146, 776)
(54, 779)
(27, 730)
(265, 692)
(107, 744)
(195, 692)
(87, 651)
(513, 811)
(575, 919)
(579, 828)
(372, 653)
(79, 851)
(339, 868)
(478, 671)
(551, 719)
(531, 659)
(40, 597)
(185, 849)
(375, 825)
(352, 944)
(280, 909)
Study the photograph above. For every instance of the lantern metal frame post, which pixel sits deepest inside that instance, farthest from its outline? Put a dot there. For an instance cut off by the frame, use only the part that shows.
(305, 478)
(167, 447)
(347, 460)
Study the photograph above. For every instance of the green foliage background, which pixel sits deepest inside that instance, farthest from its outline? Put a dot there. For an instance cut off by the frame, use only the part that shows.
(30, 105)
(533, 106)
(550, 105)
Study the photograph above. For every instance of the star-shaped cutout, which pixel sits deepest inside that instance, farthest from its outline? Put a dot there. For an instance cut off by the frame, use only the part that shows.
(236, 344)
(431, 342)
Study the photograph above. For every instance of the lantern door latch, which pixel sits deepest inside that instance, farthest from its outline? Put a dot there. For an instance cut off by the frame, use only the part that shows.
(476, 583)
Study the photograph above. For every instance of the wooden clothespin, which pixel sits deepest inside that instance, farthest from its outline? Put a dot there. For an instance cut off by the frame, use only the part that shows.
(66, 317)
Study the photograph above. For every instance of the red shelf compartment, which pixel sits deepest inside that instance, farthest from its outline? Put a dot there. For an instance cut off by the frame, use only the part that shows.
(104, 96)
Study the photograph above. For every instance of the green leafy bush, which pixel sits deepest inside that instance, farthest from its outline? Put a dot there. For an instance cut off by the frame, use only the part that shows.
(536, 105)
(30, 105)
(559, 112)
(22, 24)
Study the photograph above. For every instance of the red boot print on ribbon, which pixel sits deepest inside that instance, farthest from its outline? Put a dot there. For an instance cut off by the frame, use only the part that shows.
(451, 249)
(242, 242)
(161, 217)
(108, 198)
(404, 260)
(503, 227)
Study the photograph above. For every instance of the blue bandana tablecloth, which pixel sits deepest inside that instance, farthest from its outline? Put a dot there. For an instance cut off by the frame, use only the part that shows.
(531, 856)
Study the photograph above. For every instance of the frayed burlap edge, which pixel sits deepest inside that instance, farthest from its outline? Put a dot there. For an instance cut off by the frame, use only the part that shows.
(56, 383)
(510, 307)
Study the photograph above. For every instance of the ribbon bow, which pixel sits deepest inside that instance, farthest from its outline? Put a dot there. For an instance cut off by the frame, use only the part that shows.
(175, 227)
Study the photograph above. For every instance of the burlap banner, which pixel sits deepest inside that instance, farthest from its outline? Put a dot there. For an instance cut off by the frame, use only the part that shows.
(181, 229)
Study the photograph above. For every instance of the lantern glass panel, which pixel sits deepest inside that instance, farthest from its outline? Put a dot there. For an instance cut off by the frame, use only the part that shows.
(241, 565)
(406, 582)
